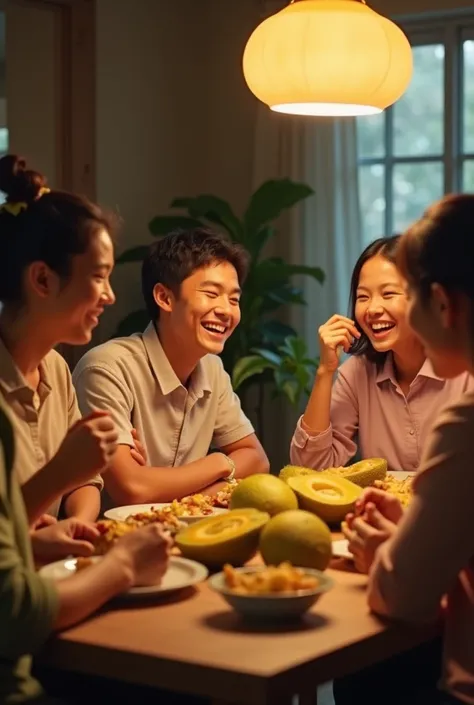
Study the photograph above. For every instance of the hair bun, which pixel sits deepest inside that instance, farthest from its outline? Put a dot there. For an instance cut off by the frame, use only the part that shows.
(17, 182)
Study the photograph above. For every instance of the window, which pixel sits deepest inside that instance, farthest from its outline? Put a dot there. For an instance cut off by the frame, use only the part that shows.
(423, 146)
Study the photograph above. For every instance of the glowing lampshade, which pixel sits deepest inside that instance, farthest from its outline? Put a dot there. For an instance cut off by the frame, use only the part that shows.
(328, 57)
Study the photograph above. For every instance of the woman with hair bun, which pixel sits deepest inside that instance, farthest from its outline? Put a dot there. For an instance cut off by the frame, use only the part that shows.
(56, 256)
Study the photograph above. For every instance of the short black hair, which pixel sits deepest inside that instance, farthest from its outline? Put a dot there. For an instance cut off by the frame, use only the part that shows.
(385, 247)
(38, 224)
(174, 257)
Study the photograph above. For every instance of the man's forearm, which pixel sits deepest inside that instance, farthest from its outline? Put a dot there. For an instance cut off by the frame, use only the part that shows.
(129, 483)
(249, 461)
(83, 503)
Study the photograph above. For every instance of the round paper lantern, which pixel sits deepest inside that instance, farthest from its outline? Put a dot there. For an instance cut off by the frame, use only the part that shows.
(328, 57)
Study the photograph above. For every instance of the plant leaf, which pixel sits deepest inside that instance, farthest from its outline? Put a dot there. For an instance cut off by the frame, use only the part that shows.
(273, 272)
(275, 332)
(287, 295)
(164, 224)
(181, 202)
(255, 242)
(315, 272)
(273, 358)
(270, 200)
(297, 346)
(215, 210)
(247, 367)
(292, 391)
(135, 322)
(134, 254)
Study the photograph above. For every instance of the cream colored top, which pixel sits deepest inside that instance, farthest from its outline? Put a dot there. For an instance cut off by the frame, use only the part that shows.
(133, 379)
(432, 553)
(41, 419)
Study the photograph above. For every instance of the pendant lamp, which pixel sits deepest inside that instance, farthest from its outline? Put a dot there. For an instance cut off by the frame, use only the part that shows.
(328, 57)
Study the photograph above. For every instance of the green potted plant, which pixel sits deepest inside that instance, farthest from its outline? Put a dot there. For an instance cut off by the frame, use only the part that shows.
(262, 344)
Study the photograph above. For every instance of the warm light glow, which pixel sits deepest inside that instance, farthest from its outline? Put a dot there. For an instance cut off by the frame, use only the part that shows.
(328, 57)
(333, 109)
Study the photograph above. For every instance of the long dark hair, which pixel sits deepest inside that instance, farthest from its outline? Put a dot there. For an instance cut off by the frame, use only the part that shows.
(39, 224)
(386, 247)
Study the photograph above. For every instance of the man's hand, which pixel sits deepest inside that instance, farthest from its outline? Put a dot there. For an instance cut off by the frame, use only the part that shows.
(62, 539)
(87, 449)
(138, 452)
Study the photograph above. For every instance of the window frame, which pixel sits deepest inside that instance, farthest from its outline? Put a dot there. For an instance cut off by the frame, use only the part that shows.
(451, 29)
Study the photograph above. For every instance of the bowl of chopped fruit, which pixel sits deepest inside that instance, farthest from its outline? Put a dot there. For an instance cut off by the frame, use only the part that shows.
(271, 592)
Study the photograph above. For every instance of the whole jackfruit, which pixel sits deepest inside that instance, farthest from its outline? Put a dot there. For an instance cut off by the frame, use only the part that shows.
(264, 492)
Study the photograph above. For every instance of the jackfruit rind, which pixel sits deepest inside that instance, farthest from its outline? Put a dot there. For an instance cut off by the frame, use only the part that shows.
(363, 473)
(226, 538)
(296, 536)
(264, 492)
(294, 471)
(328, 496)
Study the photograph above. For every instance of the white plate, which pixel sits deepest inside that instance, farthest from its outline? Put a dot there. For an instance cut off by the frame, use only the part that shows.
(121, 513)
(181, 573)
(401, 474)
(340, 549)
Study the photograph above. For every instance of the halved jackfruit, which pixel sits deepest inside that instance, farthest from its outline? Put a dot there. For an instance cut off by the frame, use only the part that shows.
(364, 473)
(294, 471)
(327, 496)
(225, 538)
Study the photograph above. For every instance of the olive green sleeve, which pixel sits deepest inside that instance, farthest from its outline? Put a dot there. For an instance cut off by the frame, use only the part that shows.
(28, 604)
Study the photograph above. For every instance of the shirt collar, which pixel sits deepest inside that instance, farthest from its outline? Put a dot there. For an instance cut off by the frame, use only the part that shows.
(388, 371)
(12, 380)
(167, 379)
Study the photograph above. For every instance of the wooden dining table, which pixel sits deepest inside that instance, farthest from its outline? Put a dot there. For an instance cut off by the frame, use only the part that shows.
(193, 642)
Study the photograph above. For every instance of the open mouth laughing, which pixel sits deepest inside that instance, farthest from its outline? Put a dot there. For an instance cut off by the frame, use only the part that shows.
(217, 330)
(381, 329)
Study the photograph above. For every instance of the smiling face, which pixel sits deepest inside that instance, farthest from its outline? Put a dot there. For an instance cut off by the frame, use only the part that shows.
(381, 306)
(70, 311)
(205, 313)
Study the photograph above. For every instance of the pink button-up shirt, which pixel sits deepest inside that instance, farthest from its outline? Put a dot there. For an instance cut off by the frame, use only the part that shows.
(432, 553)
(369, 410)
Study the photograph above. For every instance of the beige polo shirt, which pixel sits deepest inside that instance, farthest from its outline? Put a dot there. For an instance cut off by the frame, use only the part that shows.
(41, 419)
(133, 380)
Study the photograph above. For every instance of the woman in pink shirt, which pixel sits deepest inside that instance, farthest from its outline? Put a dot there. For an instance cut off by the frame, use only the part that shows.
(386, 396)
(418, 557)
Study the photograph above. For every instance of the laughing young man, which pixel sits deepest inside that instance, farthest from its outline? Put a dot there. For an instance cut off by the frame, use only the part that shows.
(169, 383)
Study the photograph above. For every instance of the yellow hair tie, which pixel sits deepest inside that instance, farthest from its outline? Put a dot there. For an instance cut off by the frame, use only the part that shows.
(16, 208)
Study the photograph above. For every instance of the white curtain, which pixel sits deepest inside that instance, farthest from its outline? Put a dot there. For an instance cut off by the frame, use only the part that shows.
(325, 230)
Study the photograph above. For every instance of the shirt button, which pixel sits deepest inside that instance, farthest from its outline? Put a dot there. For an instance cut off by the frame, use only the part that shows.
(412, 432)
